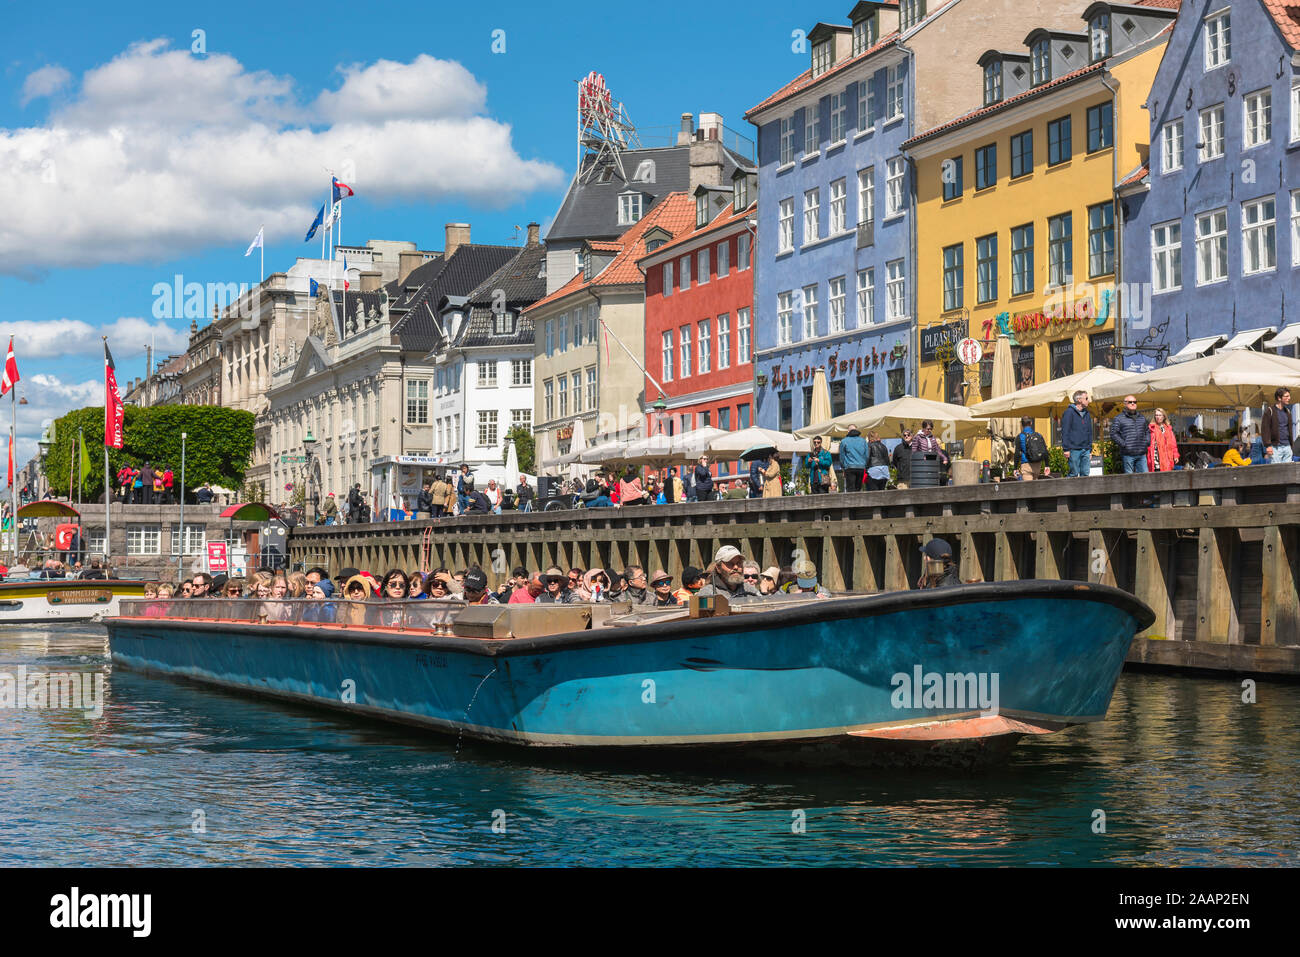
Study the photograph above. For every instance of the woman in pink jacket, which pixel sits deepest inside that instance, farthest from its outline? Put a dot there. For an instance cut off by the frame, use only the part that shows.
(1162, 453)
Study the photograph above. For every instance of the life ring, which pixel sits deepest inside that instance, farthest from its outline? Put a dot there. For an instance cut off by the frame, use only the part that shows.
(64, 537)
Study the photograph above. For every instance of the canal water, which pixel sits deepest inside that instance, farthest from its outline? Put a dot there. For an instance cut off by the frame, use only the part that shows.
(1182, 772)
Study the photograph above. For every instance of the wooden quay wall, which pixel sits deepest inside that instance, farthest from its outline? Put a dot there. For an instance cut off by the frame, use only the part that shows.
(1216, 552)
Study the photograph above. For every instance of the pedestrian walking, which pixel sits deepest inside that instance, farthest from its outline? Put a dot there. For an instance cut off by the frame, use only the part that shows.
(772, 485)
(1032, 449)
(1076, 435)
(1129, 431)
(902, 460)
(853, 460)
(437, 497)
(1162, 453)
(1278, 427)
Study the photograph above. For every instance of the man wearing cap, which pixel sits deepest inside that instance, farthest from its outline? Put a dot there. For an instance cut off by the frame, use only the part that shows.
(938, 569)
(557, 588)
(476, 592)
(692, 582)
(518, 580)
(805, 580)
(661, 588)
(727, 577)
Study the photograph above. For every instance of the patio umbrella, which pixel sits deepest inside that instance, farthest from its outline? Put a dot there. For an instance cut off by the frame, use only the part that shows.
(576, 446)
(1004, 383)
(1235, 379)
(657, 451)
(760, 452)
(951, 422)
(1047, 398)
(512, 467)
(698, 441)
(820, 409)
(742, 441)
(545, 452)
(612, 451)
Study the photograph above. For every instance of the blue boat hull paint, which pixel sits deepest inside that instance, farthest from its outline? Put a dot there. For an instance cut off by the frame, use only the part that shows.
(797, 675)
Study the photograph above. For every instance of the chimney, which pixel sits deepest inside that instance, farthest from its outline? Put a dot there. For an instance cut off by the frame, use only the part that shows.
(457, 236)
(407, 261)
(534, 234)
(370, 280)
(706, 163)
(687, 132)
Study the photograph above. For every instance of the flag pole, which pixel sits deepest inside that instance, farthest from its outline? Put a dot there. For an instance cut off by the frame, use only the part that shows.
(13, 478)
(261, 249)
(108, 498)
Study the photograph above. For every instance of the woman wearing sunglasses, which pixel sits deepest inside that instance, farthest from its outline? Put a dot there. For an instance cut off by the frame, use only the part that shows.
(416, 589)
(394, 586)
(595, 586)
(357, 591)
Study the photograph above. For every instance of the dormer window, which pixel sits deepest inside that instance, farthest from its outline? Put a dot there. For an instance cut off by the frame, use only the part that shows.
(740, 193)
(630, 208)
(652, 244)
(993, 83)
(864, 35)
(701, 210)
(1042, 61)
(586, 265)
(1099, 33)
(503, 323)
(910, 13)
(822, 58)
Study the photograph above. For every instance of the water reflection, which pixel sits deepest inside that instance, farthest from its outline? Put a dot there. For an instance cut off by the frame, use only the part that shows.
(1183, 771)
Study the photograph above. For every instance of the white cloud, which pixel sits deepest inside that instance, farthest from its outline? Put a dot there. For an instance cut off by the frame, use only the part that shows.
(48, 397)
(161, 153)
(46, 81)
(57, 338)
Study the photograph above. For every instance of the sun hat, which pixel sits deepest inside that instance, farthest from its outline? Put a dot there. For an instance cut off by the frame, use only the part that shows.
(726, 553)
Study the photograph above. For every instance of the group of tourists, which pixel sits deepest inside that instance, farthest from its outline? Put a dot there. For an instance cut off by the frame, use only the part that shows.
(147, 485)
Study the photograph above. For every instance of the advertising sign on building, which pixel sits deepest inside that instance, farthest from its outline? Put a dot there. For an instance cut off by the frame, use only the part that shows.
(218, 558)
(934, 337)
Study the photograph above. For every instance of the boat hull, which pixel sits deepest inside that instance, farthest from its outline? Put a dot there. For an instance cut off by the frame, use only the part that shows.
(66, 599)
(810, 678)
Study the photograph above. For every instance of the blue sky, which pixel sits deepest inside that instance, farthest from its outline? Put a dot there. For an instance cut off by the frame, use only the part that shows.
(132, 159)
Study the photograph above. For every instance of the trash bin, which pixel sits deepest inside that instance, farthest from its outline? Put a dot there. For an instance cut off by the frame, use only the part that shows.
(925, 470)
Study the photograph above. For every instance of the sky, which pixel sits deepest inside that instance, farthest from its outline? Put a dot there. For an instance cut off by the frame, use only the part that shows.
(143, 142)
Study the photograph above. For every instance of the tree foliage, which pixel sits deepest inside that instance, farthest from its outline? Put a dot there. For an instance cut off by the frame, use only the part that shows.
(218, 445)
(525, 448)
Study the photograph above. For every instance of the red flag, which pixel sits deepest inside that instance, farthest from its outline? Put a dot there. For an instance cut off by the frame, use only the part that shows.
(113, 412)
(11, 370)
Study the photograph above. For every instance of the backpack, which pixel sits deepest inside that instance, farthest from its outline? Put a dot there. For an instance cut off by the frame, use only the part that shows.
(1035, 447)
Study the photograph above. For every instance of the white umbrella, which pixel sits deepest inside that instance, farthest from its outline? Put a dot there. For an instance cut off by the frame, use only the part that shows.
(576, 445)
(612, 451)
(512, 466)
(697, 441)
(731, 444)
(951, 422)
(545, 453)
(1234, 379)
(1050, 398)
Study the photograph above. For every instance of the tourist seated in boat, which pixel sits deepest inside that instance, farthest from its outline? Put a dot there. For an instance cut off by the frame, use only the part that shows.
(320, 609)
(96, 569)
(297, 585)
(636, 589)
(517, 581)
(557, 591)
(438, 590)
(52, 568)
(528, 594)
(938, 568)
(415, 586)
(358, 592)
(277, 608)
(595, 586)
(476, 588)
(692, 582)
(617, 586)
(726, 576)
(752, 573)
(394, 586)
(661, 590)
(234, 588)
(805, 580)
(767, 580)
(154, 608)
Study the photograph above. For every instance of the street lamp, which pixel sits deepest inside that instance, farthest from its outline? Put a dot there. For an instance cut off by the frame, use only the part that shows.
(309, 446)
(180, 552)
(44, 445)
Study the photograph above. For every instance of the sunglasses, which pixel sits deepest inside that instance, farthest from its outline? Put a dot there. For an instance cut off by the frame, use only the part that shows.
(663, 581)
(395, 583)
(751, 578)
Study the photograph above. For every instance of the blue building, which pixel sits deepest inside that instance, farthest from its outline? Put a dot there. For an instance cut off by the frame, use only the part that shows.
(835, 263)
(1211, 225)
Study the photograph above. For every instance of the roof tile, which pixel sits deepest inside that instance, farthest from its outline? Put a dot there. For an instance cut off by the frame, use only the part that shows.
(1286, 14)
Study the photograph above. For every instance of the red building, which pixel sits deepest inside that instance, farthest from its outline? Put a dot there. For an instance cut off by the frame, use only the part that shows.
(699, 314)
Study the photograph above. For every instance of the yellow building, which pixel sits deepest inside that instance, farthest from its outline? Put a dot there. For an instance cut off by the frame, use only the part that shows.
(1016, 210)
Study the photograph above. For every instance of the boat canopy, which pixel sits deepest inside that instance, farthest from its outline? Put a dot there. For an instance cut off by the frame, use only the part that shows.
(46, 508)
(251, 512)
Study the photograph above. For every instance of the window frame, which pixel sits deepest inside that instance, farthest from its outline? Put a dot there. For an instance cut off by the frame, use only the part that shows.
(1054, 145)
(627, 215)
(1218, 41)
(1217, 117)
(487, 419)
(809, 311)
(839, 104)
(867, 195)
(1023, 281)
(1105, 127)
(1060, 250)
(787, 150)
(667, 355)
(986, 172)
(1247, 113)
(835, 324)
(685, 341)
(785, 317)
(986, 268)
(839, 204)
(1218, 238)
(992, 82)
(1040, 62)
(1262, 226)
(895, 187)
(1104, 256)
(895, 108)
(954, 276)
(785, 226)
(1018, 150)
(742, 336)
(724, 341)
(951, 190)
(704, 347)
(521, 372)
(866, 105)
(1169, 251)
(1171, 146)
(812, 215)
(866, 297)
(895, 305)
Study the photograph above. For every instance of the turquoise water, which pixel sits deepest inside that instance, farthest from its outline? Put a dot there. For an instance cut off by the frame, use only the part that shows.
(176, 774)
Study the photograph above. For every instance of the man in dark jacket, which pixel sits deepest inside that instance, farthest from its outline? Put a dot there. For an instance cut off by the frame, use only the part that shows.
(146, 484)
(703, 480)
(1278, 427)
(1129, 430)
(1076, 435)
(524, 495)
(902, 459)
(424, 501)
(461, 479)
(635, 590)
(476, 503)
(853, 460)
(355, 503)
(938, 568)
(726, 576)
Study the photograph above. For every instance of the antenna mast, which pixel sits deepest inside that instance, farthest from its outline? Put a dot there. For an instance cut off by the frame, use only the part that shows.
(605, 130)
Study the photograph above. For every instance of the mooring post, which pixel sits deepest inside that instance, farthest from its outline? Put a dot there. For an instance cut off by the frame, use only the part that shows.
(1279, 602)
(1154, 579)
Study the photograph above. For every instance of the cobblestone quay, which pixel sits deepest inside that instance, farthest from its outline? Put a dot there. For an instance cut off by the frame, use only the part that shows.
(1214, 552)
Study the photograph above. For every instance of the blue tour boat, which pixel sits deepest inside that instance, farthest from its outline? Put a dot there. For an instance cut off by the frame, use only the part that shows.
(954, 672)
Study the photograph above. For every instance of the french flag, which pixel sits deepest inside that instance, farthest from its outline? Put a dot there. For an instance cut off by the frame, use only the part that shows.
(341, 190)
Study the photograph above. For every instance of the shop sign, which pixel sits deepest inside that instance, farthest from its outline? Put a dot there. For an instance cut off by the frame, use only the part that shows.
(783, 377)
(934, 338)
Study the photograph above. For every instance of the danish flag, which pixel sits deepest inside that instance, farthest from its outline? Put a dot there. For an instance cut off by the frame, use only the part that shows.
(11, 370)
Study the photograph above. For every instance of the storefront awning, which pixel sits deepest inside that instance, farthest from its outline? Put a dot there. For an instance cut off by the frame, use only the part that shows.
(1249, 339)
(1288, 336)
(1195, 349)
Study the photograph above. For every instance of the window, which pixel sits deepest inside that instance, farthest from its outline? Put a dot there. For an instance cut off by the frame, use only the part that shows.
(1295, 227)
(951, 173)
(143, 539)
(787, 141)
(992, 82)
(894, 196)
(1166, 257)
(821, 58)
(1060, 142)
(1211, 145)
(1099, 31)
(196, 539)
(839, 193)
(784, 318)
(1022, 154)
(503, 322)
(812, 215)
(911, 12)
(896, 383)
(785, 233)
(742, 332)
(563, 323)
(809, 312)
(895, 291)
(986, 268)
(593, 321)
(701, 209)
(724, 419)
(866, 106)
(417, 402)
(702, 261)
(575, 389)
(724, 258)
(866, 194)
(1171, 146)
(807, 404)
(866, 297)
(668, 356)
(724, 341)
(835, 300)
(812, 116)
(1101, 350)
(785, 417)
(1024, 357)
(548, 390)
(591, 387)
(487, 376)
(1259, 236)
(1041, 65)
(837, 397)
(550, 337)
(686, 351)
(1060, 249)
(1212, 247)
(521, 419)
(705, 353)
(668, 279)
(1022, 259)
(953, 276)
(487, 428)
(986, 166)
(560, 383)
(1101, 240)
(684, 273)
(1062, 358)
(577, 328)
(742, 415)
(1295, 112)
(864, 34)
(839, 117)
(740, 193)
(893, 94)
(1257, 110)
(866, 391)
(1218, 40)
(629, 208)
(1100, 126)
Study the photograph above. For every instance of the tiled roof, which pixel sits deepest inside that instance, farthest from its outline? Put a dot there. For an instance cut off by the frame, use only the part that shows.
(1136, 176)
(1164, 4)
(519, 283)
(601, 246)
(460, 275)
(805, 79)
(728, 217)
(675, 215)
(1286, 14)
(401, 294)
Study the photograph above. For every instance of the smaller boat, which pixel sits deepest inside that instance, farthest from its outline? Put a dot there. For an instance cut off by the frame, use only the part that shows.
(952, 675)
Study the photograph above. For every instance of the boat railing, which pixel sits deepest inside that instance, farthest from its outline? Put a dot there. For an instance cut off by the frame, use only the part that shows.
(426, 615)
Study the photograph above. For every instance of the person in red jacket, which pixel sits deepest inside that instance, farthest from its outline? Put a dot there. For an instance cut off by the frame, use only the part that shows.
(168, 479)
(1162, 453)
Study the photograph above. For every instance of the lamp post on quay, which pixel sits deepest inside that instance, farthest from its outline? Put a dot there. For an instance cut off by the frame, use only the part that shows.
(44, 445)
(180, 556)
(309, 447)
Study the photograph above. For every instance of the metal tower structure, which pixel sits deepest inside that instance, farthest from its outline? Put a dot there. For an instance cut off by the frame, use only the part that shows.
(605, 130)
